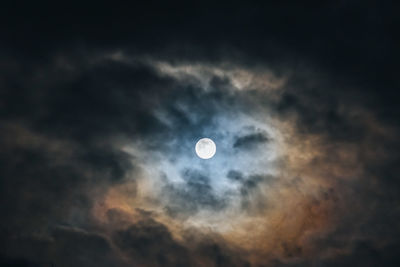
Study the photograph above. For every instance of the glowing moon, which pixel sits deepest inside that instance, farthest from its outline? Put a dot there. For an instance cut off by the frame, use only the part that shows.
(205, 148)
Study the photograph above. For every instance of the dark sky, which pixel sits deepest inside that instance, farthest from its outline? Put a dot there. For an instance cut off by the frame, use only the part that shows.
(101, 106)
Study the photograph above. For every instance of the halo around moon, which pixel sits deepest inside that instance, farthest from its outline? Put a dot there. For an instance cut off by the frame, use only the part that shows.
(205, 148)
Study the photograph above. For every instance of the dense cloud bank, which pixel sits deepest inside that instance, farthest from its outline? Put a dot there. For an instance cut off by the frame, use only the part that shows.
(100, 108)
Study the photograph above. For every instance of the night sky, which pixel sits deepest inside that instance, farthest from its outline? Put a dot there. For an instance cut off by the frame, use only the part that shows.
(101, 106)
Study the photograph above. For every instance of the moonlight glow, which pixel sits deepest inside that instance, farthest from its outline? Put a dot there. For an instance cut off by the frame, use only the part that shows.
(205, 148)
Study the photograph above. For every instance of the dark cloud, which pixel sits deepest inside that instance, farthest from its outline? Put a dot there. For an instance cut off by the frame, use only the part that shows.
(150, 243)
(252, 198)
(235, 175)
(250, 141)
(79, 248)
(194, 194)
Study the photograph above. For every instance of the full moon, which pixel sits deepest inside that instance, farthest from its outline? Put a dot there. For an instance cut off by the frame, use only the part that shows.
(205, 148)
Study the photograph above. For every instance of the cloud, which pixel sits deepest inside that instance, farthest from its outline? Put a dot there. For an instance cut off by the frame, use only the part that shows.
(150, 243)
(250, 141)
(194, 194)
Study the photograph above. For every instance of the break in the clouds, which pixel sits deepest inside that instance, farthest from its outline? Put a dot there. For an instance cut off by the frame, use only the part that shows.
(99, 117)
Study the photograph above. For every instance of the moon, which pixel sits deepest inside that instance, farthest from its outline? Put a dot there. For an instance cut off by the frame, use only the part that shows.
(205, 148)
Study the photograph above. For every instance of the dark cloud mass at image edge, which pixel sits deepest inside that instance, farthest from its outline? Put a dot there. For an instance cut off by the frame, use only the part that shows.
(53, 120)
